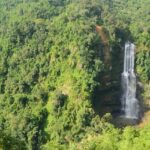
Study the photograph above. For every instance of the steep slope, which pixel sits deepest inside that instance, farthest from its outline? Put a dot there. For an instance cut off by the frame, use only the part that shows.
(59, 59)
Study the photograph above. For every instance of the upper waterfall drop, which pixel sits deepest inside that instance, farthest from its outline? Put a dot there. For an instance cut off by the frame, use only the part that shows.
(130, 105)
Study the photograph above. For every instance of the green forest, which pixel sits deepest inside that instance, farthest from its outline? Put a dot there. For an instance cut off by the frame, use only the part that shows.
(60, 74)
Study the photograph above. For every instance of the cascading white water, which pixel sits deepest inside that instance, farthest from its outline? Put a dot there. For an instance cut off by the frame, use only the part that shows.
(130, 104)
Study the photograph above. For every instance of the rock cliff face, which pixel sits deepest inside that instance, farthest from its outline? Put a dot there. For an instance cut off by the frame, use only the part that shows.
(104, 37)
(107, 97)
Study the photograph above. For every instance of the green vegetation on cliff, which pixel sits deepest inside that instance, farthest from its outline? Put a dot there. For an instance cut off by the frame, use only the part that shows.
(53, 60)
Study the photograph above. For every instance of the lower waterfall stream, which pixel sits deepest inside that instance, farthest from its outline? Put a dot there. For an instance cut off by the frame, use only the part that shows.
(130, 105)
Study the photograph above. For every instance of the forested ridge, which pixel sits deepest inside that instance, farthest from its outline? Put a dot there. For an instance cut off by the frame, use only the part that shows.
(57, 57)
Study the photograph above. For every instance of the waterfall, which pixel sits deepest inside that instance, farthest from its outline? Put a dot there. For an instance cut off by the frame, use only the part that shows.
(130, 104)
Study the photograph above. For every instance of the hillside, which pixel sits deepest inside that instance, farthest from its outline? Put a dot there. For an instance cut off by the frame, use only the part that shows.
(60, 73)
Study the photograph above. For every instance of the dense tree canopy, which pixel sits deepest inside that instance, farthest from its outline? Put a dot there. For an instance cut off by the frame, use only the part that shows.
(51, 63)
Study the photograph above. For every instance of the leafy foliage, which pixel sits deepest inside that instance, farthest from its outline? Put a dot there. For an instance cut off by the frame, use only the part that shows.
(51, 62)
